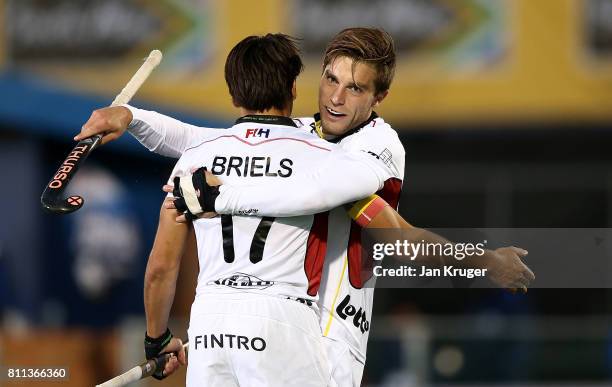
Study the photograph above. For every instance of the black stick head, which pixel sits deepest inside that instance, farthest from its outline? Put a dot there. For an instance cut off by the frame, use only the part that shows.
(52, 198)
(62, 206)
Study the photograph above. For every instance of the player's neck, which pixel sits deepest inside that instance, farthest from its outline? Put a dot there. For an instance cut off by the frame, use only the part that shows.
(269, 112)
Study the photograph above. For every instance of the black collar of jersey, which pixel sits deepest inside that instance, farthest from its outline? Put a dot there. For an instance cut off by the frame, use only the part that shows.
(268, 120)
(336, 140)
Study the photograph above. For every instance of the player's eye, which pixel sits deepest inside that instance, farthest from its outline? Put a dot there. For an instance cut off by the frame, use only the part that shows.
(355, 89)
(331, 79)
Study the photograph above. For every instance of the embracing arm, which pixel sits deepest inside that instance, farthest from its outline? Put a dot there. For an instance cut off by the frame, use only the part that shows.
(162, 134)
(348, 176)
(158, 133)
(504, 265)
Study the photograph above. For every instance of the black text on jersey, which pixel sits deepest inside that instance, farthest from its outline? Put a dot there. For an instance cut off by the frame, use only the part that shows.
(346, 310)
(256, 166)
(227, 340)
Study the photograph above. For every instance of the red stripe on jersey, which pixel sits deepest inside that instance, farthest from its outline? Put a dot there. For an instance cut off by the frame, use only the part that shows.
(391, 192)
(259, 143)
(315, 252)
(360, 267)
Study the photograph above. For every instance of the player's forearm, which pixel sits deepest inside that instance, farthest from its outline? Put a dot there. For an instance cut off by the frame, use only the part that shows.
(158, 297)
(388, 218)
(162, 271)
(435, 257)
(503, 266)
(347, 179)
(161, 134)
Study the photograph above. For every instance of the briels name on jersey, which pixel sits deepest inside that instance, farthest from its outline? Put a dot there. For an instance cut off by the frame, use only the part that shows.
(257, 166)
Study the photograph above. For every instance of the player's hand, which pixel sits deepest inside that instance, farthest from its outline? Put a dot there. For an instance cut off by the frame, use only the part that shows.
(112, 122)
(169, 203)
(507, 270)
(173, 353)
(181, 218)
(175, 361)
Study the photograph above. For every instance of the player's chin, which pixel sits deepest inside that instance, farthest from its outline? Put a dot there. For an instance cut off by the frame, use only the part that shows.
(335, 127)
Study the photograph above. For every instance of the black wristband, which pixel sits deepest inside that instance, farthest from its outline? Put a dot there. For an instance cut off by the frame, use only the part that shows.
(153, 346)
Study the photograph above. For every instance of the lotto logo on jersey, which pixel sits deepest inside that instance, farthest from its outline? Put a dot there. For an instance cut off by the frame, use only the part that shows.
(257, 133)
(244, 281)
(345, 310)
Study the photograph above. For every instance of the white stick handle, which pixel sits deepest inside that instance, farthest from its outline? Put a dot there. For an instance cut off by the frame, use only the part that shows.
(138, 79)
(135, 373)
(126, 378)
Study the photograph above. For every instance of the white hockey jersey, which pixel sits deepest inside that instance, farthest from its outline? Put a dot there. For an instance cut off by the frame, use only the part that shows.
(245, 252)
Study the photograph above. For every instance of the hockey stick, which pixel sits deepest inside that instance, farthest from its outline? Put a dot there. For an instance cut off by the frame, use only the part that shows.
(52, 198)
(139, 372)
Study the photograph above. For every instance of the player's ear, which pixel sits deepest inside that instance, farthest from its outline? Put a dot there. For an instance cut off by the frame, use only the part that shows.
(234, 103)
(378, 98)
(294, 90)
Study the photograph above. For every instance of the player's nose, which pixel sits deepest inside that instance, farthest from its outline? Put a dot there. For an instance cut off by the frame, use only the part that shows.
(337, 97)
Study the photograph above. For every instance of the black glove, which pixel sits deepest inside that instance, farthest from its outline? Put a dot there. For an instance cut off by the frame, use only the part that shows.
(193, 196)
(153, 347)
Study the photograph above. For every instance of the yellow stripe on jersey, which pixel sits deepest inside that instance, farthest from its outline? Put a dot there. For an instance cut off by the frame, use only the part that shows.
(360, 206)
(318, 128)
(333, 306)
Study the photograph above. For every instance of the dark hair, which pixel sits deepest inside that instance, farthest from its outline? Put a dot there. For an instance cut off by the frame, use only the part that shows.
(373, 46)
(260, 71)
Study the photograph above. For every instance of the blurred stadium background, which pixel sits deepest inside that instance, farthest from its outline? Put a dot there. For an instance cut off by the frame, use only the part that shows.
(504, 107)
